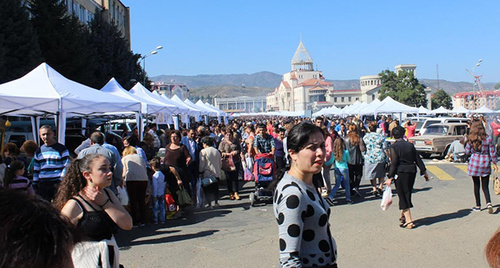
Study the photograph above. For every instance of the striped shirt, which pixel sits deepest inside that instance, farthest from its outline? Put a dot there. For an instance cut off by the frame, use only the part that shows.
(21, 183)
(50, 163)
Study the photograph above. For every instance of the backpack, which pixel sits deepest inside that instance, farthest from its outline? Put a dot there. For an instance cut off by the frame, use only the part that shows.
(264, 169)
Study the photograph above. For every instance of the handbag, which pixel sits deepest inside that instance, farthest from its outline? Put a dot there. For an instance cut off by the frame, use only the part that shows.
(496, 184)
(386, 198)
(122, 195)
(207, 181)
(228, 164)
(184, 198)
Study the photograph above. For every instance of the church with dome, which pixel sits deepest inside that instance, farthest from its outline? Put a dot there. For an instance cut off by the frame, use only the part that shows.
(304, 89)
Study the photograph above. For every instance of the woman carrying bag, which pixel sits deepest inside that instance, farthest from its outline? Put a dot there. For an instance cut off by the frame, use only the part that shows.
(404, 161)
(230, 150)
(482, 154)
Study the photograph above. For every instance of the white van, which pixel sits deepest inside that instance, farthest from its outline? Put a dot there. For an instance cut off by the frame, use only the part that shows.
(440, 120)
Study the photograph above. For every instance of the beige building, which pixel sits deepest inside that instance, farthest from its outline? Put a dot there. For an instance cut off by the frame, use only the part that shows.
(243, 104)
(171, 89)
(115, 12)
(301, 89)
(476, 99)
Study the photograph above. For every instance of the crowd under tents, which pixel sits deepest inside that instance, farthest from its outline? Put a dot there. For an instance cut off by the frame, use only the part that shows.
(45, 92)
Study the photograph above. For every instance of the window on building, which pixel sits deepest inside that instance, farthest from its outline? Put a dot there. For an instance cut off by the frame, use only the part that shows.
(342, 99)
(373, 97)
(349, 99)
(334, 99)
(357, 98)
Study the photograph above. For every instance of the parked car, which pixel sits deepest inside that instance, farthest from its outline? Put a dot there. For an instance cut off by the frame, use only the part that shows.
(438, 138)
(438, 120)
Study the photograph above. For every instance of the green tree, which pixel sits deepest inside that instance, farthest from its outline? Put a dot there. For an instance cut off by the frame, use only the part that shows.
(497, 85)
(403, 87)
(63, 40)
(113, 56)
(19, 50)
(441, 98)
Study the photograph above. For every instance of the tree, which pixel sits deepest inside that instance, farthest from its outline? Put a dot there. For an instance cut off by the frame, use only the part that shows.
(19, 50)
(497, 85)
(63, 40)
(402, 87)
(441, 98)
(113, 56)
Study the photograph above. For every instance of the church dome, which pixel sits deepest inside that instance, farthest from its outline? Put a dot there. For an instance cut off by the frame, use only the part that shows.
(301, 59)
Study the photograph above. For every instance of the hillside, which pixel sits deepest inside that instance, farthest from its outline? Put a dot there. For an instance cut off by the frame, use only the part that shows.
(261, 83)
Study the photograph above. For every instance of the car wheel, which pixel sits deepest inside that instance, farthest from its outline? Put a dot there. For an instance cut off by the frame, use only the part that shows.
(425, 155)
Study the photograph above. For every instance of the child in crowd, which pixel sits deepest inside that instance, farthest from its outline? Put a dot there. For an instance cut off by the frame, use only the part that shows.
(341, 155)
(158, 191)
(14, 178)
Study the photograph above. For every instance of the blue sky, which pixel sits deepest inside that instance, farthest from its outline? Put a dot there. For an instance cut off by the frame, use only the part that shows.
(346, 39)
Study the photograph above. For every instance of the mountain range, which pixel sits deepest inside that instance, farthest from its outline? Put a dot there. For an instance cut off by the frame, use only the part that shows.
(262, 83)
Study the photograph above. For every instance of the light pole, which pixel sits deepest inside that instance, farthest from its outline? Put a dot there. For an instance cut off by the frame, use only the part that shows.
(143, 58)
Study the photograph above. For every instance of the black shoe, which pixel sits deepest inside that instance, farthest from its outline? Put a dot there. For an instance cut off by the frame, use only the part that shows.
(329, 201)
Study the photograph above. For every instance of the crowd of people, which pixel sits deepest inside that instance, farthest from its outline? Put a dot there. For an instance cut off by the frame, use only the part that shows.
(317, 157)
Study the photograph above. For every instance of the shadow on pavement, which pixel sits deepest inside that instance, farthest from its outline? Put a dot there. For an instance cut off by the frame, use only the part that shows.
(443, 217)
(425, 189)
(167, 239)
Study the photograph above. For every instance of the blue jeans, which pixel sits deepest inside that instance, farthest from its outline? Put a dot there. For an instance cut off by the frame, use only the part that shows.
(338, 175)
(159, 205)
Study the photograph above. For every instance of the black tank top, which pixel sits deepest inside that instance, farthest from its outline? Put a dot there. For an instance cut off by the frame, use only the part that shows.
(95, 225)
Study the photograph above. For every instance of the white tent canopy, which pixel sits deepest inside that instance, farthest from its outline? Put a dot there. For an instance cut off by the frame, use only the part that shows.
(389, 105)
(203, 105)
(139, 90)
(178, 101)
(328, 111)
(483, 110)
(423, 110)
(370, 108)
(45, 91)
(215, 108)
(114, 88)
(440, 110)
(205, 111)
(461, 110)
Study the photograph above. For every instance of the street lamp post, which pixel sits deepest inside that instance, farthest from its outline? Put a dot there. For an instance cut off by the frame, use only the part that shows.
(143, 58)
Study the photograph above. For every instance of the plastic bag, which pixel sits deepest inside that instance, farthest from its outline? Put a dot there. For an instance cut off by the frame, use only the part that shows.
(184, 198)
(122, 195)
(248, 176)
(386, 198)
(496, 184)
(170, 206)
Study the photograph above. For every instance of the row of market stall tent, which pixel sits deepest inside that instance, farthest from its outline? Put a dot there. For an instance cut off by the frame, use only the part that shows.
(389, 105)
(44, 91)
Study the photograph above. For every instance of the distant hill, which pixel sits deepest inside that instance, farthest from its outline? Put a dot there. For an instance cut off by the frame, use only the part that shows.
(261, 83)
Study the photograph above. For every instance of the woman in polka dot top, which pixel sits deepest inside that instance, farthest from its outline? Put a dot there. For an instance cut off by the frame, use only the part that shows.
(302, 214)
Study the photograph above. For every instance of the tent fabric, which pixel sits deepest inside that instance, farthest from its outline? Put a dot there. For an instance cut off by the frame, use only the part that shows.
(440, 110)
(199, 103)
(203, 109)
(139, 90)
(215, 108)
(178, 101)
(328, 111)
(483, 110)
(423, 110)
(461, 110)
(114, 88)
(45, 91)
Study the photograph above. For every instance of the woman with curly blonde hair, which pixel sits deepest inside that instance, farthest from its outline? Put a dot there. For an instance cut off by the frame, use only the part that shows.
(482, 153)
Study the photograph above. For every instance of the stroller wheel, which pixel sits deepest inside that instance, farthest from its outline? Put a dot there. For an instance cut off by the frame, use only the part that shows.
(252, 199)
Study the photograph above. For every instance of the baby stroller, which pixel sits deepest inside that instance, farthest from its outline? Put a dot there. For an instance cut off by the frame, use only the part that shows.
(264, 170)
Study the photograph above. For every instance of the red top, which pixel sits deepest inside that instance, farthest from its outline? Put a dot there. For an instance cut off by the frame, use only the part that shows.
(495, 125)
(410, 130)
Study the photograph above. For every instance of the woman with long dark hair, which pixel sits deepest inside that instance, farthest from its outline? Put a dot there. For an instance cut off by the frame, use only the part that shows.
(482, 153)
(302, 214)
(230, 148)
(404, 162)
(355, 146)
(83, 198)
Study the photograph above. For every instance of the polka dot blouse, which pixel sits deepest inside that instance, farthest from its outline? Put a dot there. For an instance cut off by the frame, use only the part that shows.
(304, 231)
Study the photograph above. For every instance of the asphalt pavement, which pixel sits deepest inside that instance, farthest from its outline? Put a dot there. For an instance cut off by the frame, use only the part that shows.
(447, 233)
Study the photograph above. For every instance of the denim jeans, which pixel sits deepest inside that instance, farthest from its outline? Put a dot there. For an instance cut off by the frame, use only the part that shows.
(338, 175)
(159, 205)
